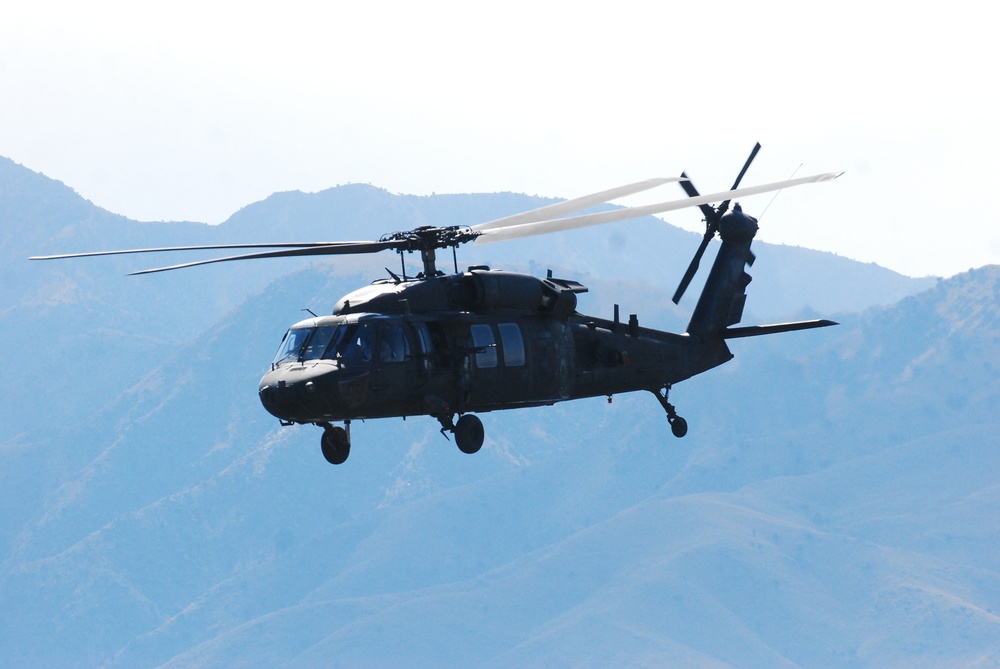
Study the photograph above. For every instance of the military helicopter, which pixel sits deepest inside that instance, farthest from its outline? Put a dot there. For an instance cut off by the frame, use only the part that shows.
(453, 345)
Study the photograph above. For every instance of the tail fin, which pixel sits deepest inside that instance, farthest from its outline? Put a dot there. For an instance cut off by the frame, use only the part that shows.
(722, 300)
(724, 295)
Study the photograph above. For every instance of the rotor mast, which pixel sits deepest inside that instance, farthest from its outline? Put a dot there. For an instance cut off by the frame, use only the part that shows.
(427, 257)
(427, 240)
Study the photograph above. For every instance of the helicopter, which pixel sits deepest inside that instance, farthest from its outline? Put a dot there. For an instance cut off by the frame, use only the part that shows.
(453, 345)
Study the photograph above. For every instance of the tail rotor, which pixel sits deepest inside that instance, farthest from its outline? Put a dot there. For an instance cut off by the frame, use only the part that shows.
(713, 215)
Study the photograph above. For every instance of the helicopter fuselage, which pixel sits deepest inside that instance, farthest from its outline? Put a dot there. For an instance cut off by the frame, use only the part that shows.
(474, 342)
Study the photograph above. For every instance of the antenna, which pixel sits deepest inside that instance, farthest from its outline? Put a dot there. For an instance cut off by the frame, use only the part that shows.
(775, 196)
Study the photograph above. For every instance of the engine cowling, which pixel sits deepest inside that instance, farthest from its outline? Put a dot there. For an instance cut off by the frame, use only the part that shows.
(479, 290)
(485, 290)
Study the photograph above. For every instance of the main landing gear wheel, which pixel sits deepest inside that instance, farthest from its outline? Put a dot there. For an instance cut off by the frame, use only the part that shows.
(336, 443)
(679, 426)
(469, 433)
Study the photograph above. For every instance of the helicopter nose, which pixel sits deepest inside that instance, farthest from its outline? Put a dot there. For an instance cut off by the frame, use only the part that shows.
(315, 392)
(279, 398)
(299, 393)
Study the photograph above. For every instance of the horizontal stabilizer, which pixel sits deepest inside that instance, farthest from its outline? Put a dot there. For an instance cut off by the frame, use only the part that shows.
(757, 330)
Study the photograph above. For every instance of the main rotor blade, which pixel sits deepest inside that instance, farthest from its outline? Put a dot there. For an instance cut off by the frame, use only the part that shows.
(216, 247)
(585, 220)
(576, 204)
(340, 248)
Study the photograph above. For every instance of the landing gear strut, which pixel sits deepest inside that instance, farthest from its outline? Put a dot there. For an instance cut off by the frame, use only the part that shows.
(678, 425)
(468, 431)
(336, 442)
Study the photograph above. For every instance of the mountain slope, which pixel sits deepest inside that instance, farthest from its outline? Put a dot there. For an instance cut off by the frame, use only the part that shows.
(880, 554)
(581, 534)
(832, 505)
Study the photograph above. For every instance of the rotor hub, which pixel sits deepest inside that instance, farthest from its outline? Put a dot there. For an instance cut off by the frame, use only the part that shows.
(427, 240)
(737, 227)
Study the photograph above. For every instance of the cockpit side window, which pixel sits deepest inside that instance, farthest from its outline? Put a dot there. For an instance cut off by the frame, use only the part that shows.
(336, 345)
(358, 344)
(394, 345)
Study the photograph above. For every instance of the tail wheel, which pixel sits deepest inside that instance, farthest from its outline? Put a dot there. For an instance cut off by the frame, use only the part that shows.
(469, 433)
(679, 426)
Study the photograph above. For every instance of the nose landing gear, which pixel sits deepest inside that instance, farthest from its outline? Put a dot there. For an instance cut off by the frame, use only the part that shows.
(336, 442)
(678, 425)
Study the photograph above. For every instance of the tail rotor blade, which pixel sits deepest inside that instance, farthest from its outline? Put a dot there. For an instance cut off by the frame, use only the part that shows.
(691, 191)
(746, 166)
(724, 207)
(712, 218)
(693, 267)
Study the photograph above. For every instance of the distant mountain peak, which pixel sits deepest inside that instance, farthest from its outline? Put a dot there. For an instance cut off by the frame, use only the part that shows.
(965, 302)
(971, 300)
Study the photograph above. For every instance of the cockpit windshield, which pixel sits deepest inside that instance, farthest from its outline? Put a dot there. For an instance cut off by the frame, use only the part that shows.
(352, 342)
(291, 345)
(317, 343)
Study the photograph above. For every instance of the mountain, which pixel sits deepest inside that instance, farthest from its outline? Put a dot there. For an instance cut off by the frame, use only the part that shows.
(833, 505)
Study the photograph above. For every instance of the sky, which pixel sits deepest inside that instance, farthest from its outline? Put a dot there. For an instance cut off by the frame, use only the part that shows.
(192, 110)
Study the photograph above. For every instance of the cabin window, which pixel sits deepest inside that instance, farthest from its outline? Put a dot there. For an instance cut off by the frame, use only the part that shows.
(425, 339)
(394, 345)
(426, 348)
(513, 344)
(485, 345)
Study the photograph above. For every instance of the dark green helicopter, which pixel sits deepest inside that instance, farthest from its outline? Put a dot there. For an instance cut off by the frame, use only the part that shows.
(453, 345)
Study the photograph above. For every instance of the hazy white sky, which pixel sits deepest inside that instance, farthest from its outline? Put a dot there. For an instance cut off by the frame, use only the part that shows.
(191, 110)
